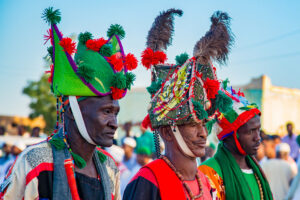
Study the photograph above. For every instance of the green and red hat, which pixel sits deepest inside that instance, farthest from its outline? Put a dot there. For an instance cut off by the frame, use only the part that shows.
(99, 67)
(228, 121)
(187, 91)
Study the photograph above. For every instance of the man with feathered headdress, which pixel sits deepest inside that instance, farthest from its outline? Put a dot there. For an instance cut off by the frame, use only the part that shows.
(69, 165)
(184, 97)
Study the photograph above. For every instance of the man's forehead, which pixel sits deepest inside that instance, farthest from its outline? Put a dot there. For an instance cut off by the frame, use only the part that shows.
(101, 101)
(254, 122)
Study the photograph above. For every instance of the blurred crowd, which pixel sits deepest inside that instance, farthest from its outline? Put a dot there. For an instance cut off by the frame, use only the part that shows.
(11, 147)
(133, 152)
(279, 157)
(280, 160)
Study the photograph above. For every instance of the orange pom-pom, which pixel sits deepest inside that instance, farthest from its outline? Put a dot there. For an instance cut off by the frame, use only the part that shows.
(116, 62)
(147, 58)
(68, 45)
(131, 62)
(117, 93)
(95, 44)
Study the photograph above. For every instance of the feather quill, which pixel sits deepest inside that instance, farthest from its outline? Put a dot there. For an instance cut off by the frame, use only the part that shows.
(160, 34)
(216, 43)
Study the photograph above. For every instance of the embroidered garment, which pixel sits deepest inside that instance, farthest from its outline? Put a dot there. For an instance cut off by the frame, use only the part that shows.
(31, 177)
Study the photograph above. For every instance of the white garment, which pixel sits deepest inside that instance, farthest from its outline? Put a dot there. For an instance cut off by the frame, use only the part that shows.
(279, 174)
(294, 191)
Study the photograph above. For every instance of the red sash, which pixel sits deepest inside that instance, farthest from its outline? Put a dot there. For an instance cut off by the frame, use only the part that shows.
(169, 185)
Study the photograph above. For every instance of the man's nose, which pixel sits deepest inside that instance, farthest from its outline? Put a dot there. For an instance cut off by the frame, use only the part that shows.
(202, 131)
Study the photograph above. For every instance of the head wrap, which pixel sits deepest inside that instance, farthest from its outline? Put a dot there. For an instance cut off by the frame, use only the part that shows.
(230, 118)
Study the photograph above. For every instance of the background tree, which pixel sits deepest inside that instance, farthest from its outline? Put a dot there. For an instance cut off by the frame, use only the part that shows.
(42, 100)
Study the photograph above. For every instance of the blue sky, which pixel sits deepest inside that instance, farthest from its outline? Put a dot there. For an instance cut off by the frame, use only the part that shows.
(267, 37)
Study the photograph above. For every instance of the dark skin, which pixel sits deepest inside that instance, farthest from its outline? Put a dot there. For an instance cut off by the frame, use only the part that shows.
(194, 135)
(249, 138)
(100, 117)
(289, 128)
(128, 151)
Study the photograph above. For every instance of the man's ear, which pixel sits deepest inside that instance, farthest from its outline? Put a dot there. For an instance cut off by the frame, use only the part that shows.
(166, 133)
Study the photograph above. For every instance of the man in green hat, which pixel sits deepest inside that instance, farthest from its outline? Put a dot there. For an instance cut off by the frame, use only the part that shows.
(233, 171)
(184, 97)
(69, 164)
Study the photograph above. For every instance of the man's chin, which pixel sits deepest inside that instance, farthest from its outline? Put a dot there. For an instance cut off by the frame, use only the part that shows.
(105, 144)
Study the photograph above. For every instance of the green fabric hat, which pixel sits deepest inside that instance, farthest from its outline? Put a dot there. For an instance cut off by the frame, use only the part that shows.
(99, 67)
(187, 91)
(144, 150)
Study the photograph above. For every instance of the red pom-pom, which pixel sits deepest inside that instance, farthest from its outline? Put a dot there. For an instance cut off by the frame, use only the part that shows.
(131, 62)
(68, 45)
(117, 93)
(95, 44)
(150, 58)
(147, 57)
(212, 87)
(159, 58)
(146, 123)
(116, 62)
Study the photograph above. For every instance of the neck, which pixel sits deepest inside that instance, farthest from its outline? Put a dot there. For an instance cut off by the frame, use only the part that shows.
(80, 146)
(127, 157)
(240, 159)
(186, 166)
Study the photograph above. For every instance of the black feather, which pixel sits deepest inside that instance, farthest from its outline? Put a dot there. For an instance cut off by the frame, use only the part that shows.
(216, 43)
(160, 34)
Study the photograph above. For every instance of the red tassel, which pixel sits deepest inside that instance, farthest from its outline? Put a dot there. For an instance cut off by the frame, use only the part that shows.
(241, 94)
(147, 56)
(212, 88)
(116, 62)
(117, 93)
(131, 62)
(51, 73)
(48, 36)
(69, 168)
(68, 45)
(159, 58)
(95, 44)
(238, 145)
(146, 123)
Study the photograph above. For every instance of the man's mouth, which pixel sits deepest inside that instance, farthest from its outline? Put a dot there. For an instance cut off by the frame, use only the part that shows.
(201, 144)
(111, 134)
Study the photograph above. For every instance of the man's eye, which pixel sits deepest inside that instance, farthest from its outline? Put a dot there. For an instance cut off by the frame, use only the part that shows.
(107, 111)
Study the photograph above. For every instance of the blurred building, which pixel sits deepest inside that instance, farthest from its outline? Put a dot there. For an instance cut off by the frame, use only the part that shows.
(9, 121)
(279, 105)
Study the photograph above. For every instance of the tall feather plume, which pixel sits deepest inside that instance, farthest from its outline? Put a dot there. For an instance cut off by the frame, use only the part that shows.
(216, 43)
(160, 34)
